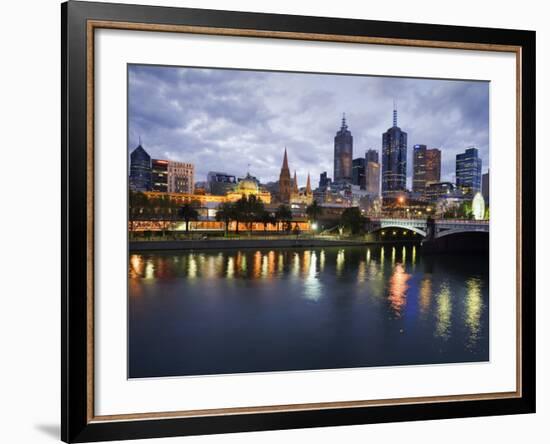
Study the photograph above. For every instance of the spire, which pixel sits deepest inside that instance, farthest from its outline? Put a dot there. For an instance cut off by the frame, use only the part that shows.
(139, 144)
(394, 114)
(308, 185)
(344, 126)
(285, 161)
(295, 187)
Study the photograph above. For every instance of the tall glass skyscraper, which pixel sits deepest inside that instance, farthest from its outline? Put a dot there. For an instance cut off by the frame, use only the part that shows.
(468, 171)
(140, 170)
(343, 153)
(394, 160)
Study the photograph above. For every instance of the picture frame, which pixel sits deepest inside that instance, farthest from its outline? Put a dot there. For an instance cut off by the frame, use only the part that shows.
(80, 20)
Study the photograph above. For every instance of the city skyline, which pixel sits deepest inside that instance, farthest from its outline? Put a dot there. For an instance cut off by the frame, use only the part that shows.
(219, 119)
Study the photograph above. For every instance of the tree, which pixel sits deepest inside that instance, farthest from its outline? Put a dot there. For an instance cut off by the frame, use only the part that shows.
(352, 220)
(137, 202)
(225, 213)
(283, 214)
(314, 211)
(267, 218)
(188, 213)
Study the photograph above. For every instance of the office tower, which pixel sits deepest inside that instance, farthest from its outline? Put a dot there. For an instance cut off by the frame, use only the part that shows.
(343, 153)
(358, 172)
(485, 187)
(468, 171)
(181, 177)
(394, 160)
(140, 170)
(372, 156)
(372, 178)
(324, 181)
(426, 167)
(159, 175)
(220, 183)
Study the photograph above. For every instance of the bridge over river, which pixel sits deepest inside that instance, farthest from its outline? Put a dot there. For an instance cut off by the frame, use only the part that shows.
(439, 234)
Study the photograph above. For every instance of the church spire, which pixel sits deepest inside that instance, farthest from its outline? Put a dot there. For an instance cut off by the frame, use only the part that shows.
(285, 161)
(295, 186)
(308, 185)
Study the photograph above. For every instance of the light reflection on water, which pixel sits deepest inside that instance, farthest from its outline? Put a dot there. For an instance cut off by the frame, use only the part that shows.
(437, 304)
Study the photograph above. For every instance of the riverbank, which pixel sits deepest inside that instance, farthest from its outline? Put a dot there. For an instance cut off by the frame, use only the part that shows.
(217, 244)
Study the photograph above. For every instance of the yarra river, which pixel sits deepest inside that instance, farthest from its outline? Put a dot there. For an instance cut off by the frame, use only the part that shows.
(211, 312)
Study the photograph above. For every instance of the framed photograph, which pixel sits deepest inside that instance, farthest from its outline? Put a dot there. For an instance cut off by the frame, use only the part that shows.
(275, 221)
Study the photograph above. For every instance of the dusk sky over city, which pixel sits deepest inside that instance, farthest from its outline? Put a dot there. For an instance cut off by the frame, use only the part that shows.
(224, 120)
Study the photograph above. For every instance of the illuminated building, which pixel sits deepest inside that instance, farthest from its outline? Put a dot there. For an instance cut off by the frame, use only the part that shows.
(304, 197)
(140, 170)
(159, 175)
(437, 190)
(468, 172)
(394, 160)
(284, 181)
(372, 177)
(181, 177)
(248, 187)
(433, 165)
(343, 153)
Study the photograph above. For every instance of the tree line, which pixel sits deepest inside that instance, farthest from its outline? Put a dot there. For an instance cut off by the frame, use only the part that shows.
(245, 211)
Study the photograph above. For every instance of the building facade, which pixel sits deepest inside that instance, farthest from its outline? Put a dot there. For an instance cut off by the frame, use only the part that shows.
(358, 171)
(372, 178)
(324, 181)
(219, 183)
(181, 177)
(394, 160)
(140, 170)
(438, 190)
(159, 175)
(426, 167)
(433, 165)
(485, 187)
(343, 154)
(468, 172)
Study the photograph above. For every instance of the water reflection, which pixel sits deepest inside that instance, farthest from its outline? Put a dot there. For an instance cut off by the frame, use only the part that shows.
(444, 307)
(474, 307)
(440, 304)
(397, 292)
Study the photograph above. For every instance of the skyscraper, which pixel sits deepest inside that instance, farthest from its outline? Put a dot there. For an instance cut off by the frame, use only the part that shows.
(426, 167)
(372, 173)
(468, 171)
(159, 175)
(372, 156)
(394, 160)
(140, 170)
(372, 178)
(181, 177)
(433, 166)
(324, 181)
(284, 181)
(485, 187)
(343, 153)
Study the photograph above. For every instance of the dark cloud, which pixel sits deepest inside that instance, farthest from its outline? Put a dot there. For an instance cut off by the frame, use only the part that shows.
(224, 120)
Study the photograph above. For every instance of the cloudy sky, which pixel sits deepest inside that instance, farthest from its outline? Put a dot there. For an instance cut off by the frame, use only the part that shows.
(225, 120)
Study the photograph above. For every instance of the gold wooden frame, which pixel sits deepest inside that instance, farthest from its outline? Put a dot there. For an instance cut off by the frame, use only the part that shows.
(92, 25)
